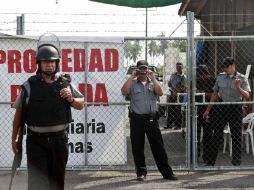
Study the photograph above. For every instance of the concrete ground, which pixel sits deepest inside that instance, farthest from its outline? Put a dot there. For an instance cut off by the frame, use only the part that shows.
(104, 180)
(175, 145)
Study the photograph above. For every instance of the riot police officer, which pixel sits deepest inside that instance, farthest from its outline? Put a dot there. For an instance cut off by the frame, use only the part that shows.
(45, 105)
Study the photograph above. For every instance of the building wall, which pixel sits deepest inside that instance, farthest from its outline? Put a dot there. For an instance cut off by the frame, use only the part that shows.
(227, 17)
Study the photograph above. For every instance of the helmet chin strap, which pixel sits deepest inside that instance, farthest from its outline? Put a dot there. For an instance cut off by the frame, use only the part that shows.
(48, 73)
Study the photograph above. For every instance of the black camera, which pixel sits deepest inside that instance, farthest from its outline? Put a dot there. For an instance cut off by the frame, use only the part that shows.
(141, 72)
(64, 81)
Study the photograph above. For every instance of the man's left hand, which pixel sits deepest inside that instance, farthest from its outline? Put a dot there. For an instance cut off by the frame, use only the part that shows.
(66, 94)
(150, 75)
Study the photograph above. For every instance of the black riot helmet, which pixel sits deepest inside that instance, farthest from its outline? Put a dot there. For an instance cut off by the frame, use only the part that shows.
(47, 52)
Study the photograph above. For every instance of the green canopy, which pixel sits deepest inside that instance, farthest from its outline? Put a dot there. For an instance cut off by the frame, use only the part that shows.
(140, 3)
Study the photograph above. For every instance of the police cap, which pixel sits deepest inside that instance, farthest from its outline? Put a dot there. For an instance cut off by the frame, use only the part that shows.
(141, 63)
(228, 61)
(202, 70)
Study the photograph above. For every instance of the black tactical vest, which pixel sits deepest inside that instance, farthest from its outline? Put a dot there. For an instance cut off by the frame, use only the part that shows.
(45, 106)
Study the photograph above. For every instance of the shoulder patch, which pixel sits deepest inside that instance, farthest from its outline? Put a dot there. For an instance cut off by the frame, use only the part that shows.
(240, 75)
(223, 73)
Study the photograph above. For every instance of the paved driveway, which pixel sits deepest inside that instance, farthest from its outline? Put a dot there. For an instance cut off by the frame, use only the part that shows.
(104, 180)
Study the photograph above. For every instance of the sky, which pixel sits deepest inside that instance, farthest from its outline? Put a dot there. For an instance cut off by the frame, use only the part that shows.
(86, 18)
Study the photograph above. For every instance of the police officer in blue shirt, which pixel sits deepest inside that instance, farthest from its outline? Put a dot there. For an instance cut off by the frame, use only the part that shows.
(230, 86)
(176, 84)
(143, 90)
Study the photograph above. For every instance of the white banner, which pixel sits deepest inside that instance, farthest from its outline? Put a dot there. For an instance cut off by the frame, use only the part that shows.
(98, 63)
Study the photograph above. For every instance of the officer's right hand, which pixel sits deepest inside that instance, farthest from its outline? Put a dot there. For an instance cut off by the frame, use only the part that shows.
(206, 114)
(134, 74)
(15, 146)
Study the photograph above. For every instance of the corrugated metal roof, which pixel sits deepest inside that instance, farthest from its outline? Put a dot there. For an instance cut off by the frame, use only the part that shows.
(191, 5)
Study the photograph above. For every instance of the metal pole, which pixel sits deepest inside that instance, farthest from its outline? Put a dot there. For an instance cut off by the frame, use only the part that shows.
(20, 25)
(23, 24)
(146, 36)
(18, 31)
(191, 79)
(86, 49)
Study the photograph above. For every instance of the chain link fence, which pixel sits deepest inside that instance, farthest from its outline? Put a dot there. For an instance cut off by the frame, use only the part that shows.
(225, 135)
(99, 134)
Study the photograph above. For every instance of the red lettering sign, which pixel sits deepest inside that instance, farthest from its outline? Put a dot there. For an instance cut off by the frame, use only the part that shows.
(111, 60)
(79, 60)
(72, 60)
(15, 90)
(14, 58)
(89, 93)
(29, 61)
(99, 96)
(66, 59)
(2, 56)
(95, 61)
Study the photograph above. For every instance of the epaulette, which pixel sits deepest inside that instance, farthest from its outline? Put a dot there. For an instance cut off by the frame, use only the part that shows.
(240, 75)
(223, 73)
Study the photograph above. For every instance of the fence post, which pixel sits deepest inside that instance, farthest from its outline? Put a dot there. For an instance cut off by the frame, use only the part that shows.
(21, 25)
(190, 86)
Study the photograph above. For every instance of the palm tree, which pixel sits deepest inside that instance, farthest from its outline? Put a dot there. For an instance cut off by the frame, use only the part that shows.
(127, 51)
(179, 44)
(132, 51)
(163, 46)
(135, 51)
(152, 50)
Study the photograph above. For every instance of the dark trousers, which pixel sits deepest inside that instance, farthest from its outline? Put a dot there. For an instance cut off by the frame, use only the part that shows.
(207, 140)
(139, 126)
(207, 135)
(224, 114)
(174, 112)
(46, 161)
(174, 116)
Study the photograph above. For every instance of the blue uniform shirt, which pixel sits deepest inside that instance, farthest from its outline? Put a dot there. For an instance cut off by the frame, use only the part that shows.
(225, 86)
(143, 97)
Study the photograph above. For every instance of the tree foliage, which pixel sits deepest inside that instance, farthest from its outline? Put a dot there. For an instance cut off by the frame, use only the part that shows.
(179, 44)
(152, 50)
(132, 51)
(155, 48)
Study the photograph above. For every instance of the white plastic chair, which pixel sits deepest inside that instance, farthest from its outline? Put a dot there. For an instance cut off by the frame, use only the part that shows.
(227, 136)
(249, 119)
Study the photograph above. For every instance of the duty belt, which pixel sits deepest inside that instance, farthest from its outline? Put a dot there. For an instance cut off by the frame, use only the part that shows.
(133, 114)
(48, 129)
(51, 134)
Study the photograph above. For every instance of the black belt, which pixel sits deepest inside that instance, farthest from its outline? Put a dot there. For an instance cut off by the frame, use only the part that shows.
(133, 114)
(49, 134)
